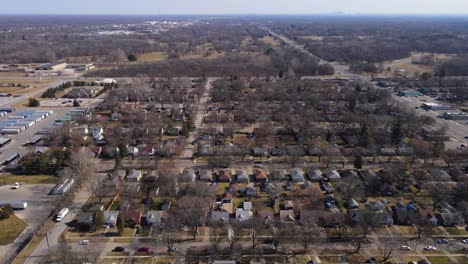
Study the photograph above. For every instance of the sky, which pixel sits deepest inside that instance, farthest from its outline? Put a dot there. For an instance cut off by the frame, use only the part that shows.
(233, 6)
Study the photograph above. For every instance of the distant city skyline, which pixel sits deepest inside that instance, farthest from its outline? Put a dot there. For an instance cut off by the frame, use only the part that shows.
(235, 7)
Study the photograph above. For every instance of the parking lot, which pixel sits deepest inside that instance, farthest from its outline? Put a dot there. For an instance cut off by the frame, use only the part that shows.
(34, 193)
(64, 102)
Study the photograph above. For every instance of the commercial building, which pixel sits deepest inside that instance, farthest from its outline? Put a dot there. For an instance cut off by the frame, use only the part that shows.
(435, 106)
(455, 116)
(53, 66)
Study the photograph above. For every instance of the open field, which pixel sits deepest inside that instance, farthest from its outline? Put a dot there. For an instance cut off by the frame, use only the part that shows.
(152, 57)
(10, 229)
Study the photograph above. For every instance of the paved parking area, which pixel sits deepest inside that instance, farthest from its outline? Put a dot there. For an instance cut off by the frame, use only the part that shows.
(64, 102)
(31, 193)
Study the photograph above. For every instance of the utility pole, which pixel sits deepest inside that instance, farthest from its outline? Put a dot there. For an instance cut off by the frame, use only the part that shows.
(47, 240)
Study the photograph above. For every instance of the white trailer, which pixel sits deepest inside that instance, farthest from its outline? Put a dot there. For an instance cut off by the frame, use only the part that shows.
(15, 204)
(61, 214)
(10, 131)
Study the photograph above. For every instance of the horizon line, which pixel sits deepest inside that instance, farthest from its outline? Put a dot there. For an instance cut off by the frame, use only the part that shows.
(237, 14)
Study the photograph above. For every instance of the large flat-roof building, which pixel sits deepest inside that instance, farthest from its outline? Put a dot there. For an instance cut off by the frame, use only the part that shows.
(52, 66)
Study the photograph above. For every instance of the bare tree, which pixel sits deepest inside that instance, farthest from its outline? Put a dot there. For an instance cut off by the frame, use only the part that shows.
(234, 234)
(422, 226)
(218, 233)
(192, 211)
(350, 187)
(98, 190)
(307, 233)
(387, 248)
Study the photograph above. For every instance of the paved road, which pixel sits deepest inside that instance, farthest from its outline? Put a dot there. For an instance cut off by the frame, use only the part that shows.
(456, 130)
(187, 153)
(59, 228)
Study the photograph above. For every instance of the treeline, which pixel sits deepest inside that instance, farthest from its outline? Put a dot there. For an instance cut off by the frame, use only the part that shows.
(375, 39)
(454, 67)
(51, 92)
(276, 63)
(49, 162)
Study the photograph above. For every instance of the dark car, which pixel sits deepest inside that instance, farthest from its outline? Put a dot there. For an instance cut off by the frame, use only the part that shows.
(118, 249)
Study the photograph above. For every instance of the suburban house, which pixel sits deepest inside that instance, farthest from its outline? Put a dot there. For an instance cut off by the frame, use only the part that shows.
(315, 175)
(446, 218)
(206, 175)
(440, 175)
(260, 175)
(132, 217)
(154, 218)
(242, 215)
(381, 217)
(287, 216)
(242, 176)
(297, 175)
(265, 216)
(405, 214)
(332, 175)
(85, 220)
(110, 217)
(224, 175)
(219, 216)
(187, 175)
(134, 176)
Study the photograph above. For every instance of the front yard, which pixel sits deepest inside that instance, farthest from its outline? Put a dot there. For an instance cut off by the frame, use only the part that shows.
(10, 229)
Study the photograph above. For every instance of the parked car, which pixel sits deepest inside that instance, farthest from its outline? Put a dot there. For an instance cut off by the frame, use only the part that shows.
(84, 242)
(443, 241)
(173, 249)
(144, 249)
(405, 247)
(16, 186)
(430, 248)
(118, 249)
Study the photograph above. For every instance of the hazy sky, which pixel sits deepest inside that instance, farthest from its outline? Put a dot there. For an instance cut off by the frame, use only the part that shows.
(233, 6)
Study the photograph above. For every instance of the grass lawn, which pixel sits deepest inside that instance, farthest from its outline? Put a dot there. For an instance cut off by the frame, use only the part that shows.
(462, 260)
(433, 252)
(112, 260)
(147, 260)
(455, 231)
(128, 232)
(269, 40)
(164, 260)
(29, 179)
(10, 229)
(152, 56)
(407, 230)
(439, 259)
(221, 188)
(117, 254)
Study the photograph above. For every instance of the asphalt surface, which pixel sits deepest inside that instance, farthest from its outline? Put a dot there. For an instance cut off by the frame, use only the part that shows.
(54, 233)
(36, 195)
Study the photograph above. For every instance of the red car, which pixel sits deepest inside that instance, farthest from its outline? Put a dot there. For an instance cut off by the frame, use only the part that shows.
(144, 249)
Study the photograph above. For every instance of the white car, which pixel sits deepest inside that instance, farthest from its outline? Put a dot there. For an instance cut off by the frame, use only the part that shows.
(405, 247)
(430, 248)
(16, 186)
(84, 242)
(465, 241)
